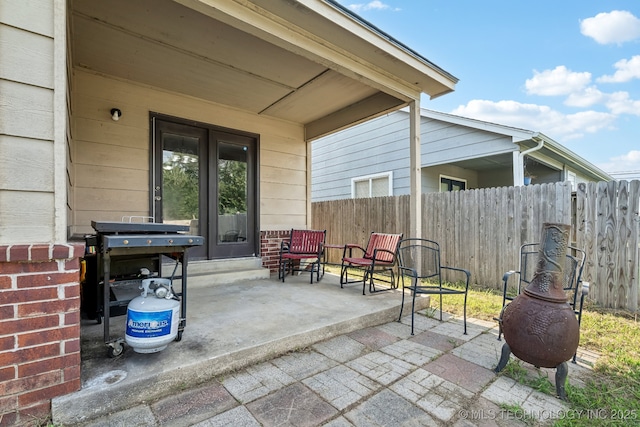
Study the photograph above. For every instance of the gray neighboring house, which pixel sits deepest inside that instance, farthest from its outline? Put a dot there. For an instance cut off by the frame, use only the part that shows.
(370, 159)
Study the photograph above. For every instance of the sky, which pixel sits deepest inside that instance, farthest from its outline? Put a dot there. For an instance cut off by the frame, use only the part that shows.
(569, 69)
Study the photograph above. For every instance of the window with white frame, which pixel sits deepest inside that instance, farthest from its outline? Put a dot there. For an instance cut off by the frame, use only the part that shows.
(378, 185)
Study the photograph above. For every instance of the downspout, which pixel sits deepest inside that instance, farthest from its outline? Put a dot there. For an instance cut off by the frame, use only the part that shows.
(518, 164)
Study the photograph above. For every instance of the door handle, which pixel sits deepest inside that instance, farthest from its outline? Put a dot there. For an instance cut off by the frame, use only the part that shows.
(158, 198)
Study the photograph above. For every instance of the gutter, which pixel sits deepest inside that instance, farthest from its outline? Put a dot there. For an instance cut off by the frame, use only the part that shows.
(531, 150)
(518, 161)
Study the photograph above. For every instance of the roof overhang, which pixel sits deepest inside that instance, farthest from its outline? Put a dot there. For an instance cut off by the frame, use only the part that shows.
(560, 153)
(523, 139)
(310, 62)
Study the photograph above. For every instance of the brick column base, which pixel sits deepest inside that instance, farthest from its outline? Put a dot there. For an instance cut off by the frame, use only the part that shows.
(270, 247)
(39, 329)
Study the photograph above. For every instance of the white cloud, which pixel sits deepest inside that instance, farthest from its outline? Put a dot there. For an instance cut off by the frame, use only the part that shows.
(626, 166)
(585, 98)
(539, 118)
(559, 81)
(626, 70)
(620, 103)
(617, 26)
(372, 5)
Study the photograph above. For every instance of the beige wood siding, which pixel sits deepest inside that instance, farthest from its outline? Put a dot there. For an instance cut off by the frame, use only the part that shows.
(26, 122)
(111, 159)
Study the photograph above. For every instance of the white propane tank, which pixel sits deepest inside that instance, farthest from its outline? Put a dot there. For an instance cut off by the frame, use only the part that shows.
(152, 317)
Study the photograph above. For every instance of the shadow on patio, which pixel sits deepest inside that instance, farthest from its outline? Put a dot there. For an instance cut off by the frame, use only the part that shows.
(228, 327)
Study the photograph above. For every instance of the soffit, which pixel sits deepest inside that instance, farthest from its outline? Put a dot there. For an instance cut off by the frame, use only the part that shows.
(165, 44)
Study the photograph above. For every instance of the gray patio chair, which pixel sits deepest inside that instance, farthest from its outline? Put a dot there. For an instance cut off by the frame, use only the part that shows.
(420, 266)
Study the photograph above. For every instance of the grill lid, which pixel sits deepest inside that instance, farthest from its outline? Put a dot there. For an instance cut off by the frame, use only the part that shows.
(114, 227)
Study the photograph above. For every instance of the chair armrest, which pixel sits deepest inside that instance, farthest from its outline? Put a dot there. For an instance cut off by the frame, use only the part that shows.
(505, 284)
(350, 247)
(585, 289)
(284, 246)
(508, 274)
(462, 270)
(411, 272)
(380, 250)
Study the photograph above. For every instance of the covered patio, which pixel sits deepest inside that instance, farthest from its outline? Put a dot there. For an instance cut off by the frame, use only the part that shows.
(103, 98)
(229, 327)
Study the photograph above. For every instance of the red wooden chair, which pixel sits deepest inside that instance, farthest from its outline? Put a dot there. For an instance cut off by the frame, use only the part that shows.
(380, 256)
(302, 245)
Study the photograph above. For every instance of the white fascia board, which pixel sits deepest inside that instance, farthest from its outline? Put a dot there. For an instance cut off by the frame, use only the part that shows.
(574, 160)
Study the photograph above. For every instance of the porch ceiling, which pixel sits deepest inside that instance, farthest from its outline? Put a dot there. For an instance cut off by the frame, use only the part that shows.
(498, 161)
(237, 54)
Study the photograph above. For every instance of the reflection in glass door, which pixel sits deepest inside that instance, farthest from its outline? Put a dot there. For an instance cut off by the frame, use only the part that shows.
(180, 179)
(205, 178)
(232, 192)
(178, 188)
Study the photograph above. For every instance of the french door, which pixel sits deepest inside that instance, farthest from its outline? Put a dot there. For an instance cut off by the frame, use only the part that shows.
(205, 177)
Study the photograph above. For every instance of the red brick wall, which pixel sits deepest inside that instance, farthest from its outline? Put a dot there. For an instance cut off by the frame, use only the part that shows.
(270, 248)
(39, 329)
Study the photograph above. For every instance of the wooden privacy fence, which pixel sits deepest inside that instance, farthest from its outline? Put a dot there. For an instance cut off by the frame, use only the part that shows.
(608, 228)
(482, 230)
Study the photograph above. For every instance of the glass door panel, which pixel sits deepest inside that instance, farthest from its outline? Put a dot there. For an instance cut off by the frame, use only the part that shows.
(206, 179)
(232, 193)
(181, 180)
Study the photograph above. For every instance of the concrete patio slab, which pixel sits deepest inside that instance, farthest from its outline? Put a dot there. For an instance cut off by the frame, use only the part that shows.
(364, 371)
(229, 327)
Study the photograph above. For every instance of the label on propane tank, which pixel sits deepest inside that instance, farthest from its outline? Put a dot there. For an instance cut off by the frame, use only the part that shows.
(148, 324)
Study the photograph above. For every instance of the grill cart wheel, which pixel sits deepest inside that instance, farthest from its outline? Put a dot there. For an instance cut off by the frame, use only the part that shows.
(115, 348)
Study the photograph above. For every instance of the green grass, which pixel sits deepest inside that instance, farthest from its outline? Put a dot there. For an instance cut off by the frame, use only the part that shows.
(613, 391)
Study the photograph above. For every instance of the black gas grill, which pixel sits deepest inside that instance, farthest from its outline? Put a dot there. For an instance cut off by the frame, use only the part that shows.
(119, 256)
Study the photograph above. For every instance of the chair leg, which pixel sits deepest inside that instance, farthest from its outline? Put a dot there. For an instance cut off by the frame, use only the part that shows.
(368, 276)
(343, 274)
(464, 309)
(413, 309)
(401, 305)
(364, 285)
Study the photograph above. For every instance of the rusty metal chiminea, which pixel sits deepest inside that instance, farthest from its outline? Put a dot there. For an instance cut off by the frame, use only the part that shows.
(539, 325)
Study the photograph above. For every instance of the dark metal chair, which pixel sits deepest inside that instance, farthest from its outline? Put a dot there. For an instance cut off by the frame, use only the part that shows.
(379, 258)
(420, 265)
(302, 245)
(514, 282)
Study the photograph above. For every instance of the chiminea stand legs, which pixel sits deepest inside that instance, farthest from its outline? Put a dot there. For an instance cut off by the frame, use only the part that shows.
(562, 370)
